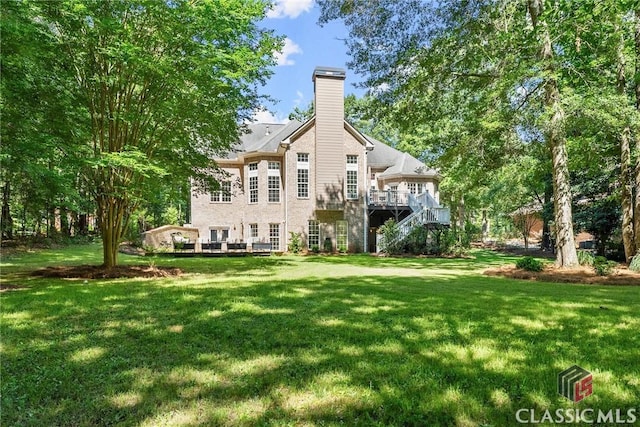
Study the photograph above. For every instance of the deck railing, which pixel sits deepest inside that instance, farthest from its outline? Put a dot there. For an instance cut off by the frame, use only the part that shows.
(388, 198)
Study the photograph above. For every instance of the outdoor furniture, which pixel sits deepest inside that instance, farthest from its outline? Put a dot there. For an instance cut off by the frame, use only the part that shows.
(236, 246)
(261, 247)
(212, 246)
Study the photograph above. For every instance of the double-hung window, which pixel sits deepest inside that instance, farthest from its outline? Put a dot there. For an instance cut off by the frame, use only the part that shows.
(342, 239)
(352, 177)
(273, 177)
(223, 194)
(314, 234)
(253, 183)
(274, 236)
(303, 175)
(253, 232)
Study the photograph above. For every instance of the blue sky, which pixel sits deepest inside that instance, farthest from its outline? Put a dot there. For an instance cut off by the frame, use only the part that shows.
(307, 45)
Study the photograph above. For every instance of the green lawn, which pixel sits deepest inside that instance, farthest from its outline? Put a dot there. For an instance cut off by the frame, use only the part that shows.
(352, 340)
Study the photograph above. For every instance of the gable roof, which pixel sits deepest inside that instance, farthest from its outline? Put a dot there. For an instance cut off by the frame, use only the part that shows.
(267, 137)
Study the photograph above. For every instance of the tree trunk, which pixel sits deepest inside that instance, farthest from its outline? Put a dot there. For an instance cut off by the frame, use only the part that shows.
(108, 220)
(626, 178)
(636, 221)
(546, 229)
(566, 255)
(6, 219)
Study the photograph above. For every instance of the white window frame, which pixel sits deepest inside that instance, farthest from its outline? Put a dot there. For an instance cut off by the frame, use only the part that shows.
(253, 183)
(274, 236)
(273, 182)
(302, 167)
(313, 234)
(342, 235)
(351, 181)
(253, 232)
(223, 195)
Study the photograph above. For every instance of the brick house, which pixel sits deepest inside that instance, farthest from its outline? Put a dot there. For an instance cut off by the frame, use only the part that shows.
(323, 179)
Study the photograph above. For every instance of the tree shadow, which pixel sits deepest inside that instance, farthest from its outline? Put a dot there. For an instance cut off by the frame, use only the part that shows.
(376, 349)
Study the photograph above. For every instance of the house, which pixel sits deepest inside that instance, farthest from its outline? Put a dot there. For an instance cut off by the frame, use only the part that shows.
(323, 179)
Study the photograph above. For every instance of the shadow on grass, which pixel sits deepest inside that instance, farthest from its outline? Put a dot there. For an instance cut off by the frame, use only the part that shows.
(371, 350)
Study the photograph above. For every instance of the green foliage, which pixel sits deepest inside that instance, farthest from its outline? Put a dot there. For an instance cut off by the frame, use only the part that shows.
(315, 249)
(529, 263)
(161, 86)
(295, 242)
(586, 258)
(602, 266)
(327, 245)
(390, 232)
(634, 265)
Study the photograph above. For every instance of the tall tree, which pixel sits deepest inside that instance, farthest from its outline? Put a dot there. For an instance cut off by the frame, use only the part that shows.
(477, 80)
(566, 255)
(165, 85)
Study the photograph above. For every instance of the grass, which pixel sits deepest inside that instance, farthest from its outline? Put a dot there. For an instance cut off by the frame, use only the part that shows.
(345, 340)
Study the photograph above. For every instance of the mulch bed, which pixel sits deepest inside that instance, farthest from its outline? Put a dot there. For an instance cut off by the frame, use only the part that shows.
(100, 272)
(621, 276)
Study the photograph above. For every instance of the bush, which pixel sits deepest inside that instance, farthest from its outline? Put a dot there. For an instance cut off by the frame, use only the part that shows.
(390, 231)
(328, 246)
(315, 249)
(295, 242)
(602, 266)
(529, 263)
(634, 265)
(586, 258)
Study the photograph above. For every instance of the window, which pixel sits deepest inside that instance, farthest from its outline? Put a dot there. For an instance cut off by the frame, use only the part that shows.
(253, 183)
(303, 175)
(413, 189)
(421, 188)
(253, 231)
(342, 241)
(274, 236)
(223, 194)
(273, 182)
(314, 234)
(219, 234)
(352, 177)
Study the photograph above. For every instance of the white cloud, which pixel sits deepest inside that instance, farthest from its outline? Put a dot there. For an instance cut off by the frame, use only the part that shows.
(289, 48)
(299, 98)
(265, 116)
(289, 8)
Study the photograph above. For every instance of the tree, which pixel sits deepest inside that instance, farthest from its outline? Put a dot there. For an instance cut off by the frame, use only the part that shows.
(479, 82)
(164, 86)
(39, 168)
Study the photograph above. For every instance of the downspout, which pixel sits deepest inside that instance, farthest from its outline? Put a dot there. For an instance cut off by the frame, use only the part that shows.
(365, 209)
(285, 183)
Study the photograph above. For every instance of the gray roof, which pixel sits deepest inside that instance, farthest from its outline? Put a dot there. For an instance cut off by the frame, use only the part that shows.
(266, 138)
(263, 138)
(396, 162)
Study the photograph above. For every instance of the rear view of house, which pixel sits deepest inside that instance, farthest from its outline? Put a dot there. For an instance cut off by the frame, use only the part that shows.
(323, 179)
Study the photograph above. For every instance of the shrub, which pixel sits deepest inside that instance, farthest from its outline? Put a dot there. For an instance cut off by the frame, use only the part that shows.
(390, 231)
(315, 249)
(529, 263)
(585, 258)
(602, 266)
(328, 246)
(634, 265)
(295, 242)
